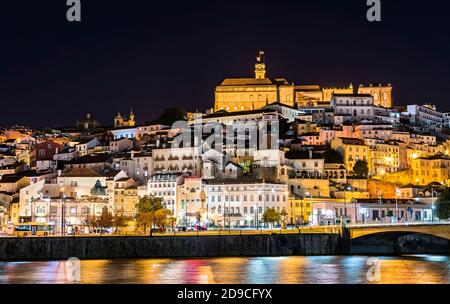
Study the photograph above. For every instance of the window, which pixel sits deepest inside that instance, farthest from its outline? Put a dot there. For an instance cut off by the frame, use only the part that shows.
(53, 209)
(40, 209)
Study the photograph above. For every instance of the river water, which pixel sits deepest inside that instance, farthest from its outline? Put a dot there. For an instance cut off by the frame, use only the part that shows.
(254, 270)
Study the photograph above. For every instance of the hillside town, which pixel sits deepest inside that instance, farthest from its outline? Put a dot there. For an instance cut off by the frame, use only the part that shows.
(267, 151)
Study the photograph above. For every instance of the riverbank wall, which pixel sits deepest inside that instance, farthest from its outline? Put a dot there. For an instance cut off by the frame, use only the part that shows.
(108, 247)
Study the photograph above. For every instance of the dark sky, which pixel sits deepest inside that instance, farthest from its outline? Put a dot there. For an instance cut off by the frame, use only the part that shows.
(149, 55)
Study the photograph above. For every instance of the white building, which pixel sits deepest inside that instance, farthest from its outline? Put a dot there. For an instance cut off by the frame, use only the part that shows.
(177, 160)
(242, 203)
(166, 187)
(353, 107)
(120, 145)
(124, 133)
(427, 116)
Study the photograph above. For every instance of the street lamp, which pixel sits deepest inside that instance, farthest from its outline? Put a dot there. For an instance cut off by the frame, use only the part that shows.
(62, 211)
(224, 201)
(346, 188)
(311, 202)
(397, 194)
(229, 212)
(432, 203)
(257, 209)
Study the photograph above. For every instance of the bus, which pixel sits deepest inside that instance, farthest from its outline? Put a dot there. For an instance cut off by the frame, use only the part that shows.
(33, 229)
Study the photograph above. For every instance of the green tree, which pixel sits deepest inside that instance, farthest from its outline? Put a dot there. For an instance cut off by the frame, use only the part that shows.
(443, 205)
(361, 169)
(271, 216)
(332, 156)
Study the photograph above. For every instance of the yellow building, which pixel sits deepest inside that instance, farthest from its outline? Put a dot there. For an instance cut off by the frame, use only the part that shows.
(125, 197)
(328, 92)
(299, 210)
(351, 150)
(382, 95)
(308, 95)
(312, 95)
(384, 158)
(191, 203)
(425, 170)
(243, 94)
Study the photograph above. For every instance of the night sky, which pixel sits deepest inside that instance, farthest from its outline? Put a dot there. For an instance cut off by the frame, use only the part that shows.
(149, 56)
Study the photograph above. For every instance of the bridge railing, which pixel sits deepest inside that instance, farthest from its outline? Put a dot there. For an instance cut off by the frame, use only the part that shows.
(427, 223)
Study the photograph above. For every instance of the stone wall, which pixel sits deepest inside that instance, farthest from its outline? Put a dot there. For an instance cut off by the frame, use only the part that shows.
(167, 246)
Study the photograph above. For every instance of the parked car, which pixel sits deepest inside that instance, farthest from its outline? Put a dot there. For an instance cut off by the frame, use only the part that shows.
(158, 230)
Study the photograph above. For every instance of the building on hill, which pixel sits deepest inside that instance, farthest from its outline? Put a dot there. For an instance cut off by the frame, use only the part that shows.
(122, 121)
(87, 123)
(243, 94)
(382, 94)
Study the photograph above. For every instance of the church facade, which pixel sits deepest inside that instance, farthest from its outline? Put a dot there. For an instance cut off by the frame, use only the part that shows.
(122, 121)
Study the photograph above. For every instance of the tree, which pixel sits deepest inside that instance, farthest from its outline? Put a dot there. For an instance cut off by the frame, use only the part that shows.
(105, 220)
(151, 212)
(443, 205)
(91, 221)
(171, 115)
(332, 156)
(271, 216)
(162, 217)
(120, 221)
(361, 169)
(284, 215)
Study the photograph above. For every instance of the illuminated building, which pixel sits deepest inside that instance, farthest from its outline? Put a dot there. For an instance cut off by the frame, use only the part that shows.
(125, 197)
(243, 94)
(242, 202)
(425, 170)
(351, 150)
(121, 121)
(299, 210)
(382, 95)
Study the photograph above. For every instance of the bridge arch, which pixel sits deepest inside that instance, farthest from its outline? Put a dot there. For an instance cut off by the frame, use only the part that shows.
(440, 231)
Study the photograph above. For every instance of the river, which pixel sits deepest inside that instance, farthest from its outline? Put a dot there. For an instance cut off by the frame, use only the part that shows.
(252, 270)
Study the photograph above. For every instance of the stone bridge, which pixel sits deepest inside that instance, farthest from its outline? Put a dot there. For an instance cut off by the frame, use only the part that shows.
(398, 238)
(438, 229)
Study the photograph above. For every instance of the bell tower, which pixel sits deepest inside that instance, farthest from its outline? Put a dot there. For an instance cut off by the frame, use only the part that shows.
(260, 66)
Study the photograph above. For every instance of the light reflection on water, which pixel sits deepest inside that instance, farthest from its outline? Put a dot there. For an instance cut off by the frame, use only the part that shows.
(255, 270)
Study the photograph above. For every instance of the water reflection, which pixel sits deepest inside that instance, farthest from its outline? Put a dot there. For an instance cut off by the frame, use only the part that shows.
(257, 270)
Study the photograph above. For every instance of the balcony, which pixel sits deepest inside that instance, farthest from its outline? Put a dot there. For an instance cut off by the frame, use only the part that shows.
(173, 158)
(233, 214)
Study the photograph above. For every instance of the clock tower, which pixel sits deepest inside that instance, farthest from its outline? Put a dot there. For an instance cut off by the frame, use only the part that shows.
(260, 66)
